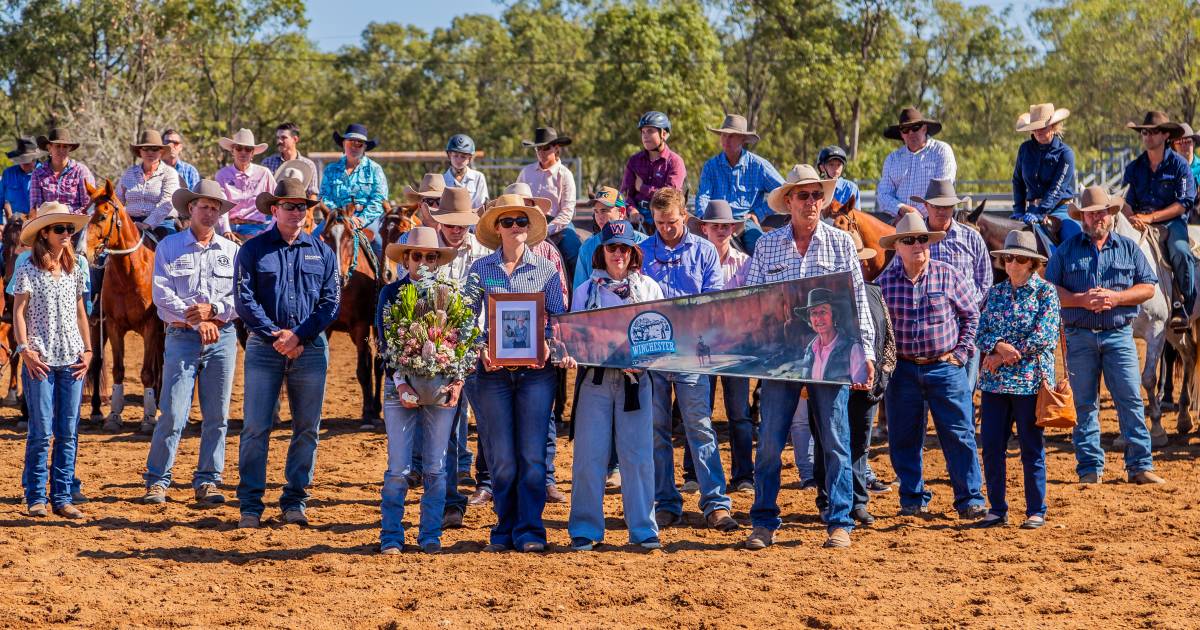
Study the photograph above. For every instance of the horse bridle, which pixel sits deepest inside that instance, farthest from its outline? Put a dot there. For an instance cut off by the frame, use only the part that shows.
(359, 242)
(103, 251)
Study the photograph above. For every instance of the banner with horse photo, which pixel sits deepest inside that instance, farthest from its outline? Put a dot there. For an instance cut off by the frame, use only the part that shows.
(799, 330)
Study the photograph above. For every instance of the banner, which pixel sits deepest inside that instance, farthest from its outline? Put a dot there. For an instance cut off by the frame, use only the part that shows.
(799, 330)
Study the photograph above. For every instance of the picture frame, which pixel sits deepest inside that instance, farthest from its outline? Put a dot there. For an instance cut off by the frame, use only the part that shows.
(516, 328)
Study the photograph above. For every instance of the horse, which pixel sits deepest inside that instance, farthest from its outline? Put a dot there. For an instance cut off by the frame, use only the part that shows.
(869, 229)
(125, 302)
(361, 279)
(11, 239)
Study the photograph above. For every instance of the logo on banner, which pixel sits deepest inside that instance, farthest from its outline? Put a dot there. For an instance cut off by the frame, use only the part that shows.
(651, 333)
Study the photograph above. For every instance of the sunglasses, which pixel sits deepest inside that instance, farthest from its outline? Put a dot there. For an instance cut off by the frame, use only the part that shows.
(1021, 260)
(1150, 132)
(913, 240)
(62, 229)
(428, 257)
(151, 149)
(508, 222)
(432, 203)
(241, 149)
(293, 207)
(912, 129)
(805, 195)
(614, 248)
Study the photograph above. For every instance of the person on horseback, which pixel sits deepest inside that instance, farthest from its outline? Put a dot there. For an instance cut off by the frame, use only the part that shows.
(1101, 278)
(1185, 145)
(1161, 193)
(655, 166)
(16, 180)
(243, 181)
(61, 178)
(607, 205)
(908, 169)
(356, 179)
(145, 189)
(287, 141)
(550, 179)
(193, 290)
(460, 150)
(173, 156)
(831, 164)
(742, 178)
(1044, 175)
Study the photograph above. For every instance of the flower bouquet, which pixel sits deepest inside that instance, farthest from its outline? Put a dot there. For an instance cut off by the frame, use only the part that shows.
(430, 336)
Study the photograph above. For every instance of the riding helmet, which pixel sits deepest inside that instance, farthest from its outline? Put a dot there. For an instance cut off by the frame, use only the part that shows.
(832, 152)
(461, 143)
(655, 119)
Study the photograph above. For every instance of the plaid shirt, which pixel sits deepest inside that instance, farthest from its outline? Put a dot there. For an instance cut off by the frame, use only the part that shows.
(744, 185)
(963, 248)
(66, 188)
(906, 174)
(936, 314)
(534, 274)
(830, 251)
(148, 199)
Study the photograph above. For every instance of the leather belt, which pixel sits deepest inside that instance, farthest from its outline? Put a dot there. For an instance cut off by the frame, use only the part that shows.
(921, 360)
(245, 222)
(180, 325)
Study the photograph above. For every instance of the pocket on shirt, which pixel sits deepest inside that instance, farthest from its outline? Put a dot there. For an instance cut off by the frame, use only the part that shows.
(939, 308)
(1119, 276)
(222, 282)
(313, 272)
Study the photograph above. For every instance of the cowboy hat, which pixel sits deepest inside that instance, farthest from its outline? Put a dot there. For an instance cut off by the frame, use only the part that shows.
(454, 208)
(608, 196)
(911, 117)
(864, 253)
(800, 175)
(816, 297)
(1188, 133)
(25, 152)
(287, 188)
(306, 171)
(523, 189)
(737, 125)
(1041, 116)
(911, 224)
(1020, 243)
(205, 189)
(243, 138)
(485, 230)
(354, 131)
(1157, 121)
(147, 139)
(431, 187)
(1094, 199)
(51, 213)
(543, 136)
(421, 238)
(57, 135)
(940, 192)
(718, 211)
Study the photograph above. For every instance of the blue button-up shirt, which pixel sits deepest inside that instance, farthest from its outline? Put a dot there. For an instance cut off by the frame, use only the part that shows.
(1171, 183)
(1045, 172)
(744, 185)
(188, 175)
(1077, 266)
(281, 286)
(366, 186)
(845, 190)
(691, 267)
(15, 184)
(534, 274)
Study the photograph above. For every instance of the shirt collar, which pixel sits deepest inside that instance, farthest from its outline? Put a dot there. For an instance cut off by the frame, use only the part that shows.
(687, 240)
(497, 258)
(303, 239)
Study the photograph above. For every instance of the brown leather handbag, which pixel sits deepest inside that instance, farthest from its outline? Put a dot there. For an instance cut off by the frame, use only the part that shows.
(1056, 405)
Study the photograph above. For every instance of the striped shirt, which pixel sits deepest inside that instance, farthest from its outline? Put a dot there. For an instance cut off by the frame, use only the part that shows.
(907, 174)
(964, 249)
(533, 274)
(734, 267)
(744, 185)
(830, 250)
(935, 314)
(556, 184)
(1077, 266)
(66, 187)
(148, 199)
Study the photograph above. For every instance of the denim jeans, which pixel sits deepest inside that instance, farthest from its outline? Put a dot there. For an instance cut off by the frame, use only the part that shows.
(803, 446)
(265, 372)
(973, 372)
(53, 412)
(461, 452)
(751, 232)
(602, 422)
(742, 432)
(1113, 353)
(1183, 264)
(483, 478)
(514, 406)
(568, 244)
(943, 386)
(400, 422)
(861, 414)
(828, 403)
(186, 364)
(695, 406)
(1000, 411)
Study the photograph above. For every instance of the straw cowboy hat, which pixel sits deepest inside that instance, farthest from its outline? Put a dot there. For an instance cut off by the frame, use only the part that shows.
(292, 168)
(736, 124)
(57, 135)
(431, 187)
(147, 139)
(485, 230)
(420, 239)
(205, 189)
(1094, 199)
(1041, 116)
(354, 131)
(1158, 121)
(523, 189)
(51, 213)
(911, 117)
(25, 152)
(940, 192)
(800, 175)
(288, 188)
(1020, 243)
(454, 208)
(243, 138)
(864, 253)
(911, 224)
(543, 136)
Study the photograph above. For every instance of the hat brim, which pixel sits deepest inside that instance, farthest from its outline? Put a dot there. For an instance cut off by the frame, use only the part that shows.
(867, 253)
(30, 230)
(43, 142)
(339, 138)
(729, 221)
(750, 136)
(27, 158)
(485, 229)
(893, 132)
(461, 219)
(1058, 116)
(1174, 130)
(300, 165)
(396, 252)
(1019, 252)
(228, 145)
(265, 200)
(889, 241)
(777, 199)
(1113, 206)
(182, 197)
(940, 201)
(564, 141)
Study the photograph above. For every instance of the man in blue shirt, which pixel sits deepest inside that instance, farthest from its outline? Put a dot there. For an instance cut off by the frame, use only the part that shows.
(14, 183)
(607, 205)
(288, 292)
(739, 177)
(188, 175)
(1161, 194)
(1101, 279)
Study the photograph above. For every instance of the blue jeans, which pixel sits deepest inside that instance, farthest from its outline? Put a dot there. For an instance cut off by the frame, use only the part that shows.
(802, 440)
(1000, 411)
(249, 229)
(742, 431)
(973, 372)
(828, 403)
(514, 406)
(568, 244)
(695, 406)
(944, 387)
(861, 413)
(751, 232)
(600, 422)
(186, 361)
(461, 452)
(265, 372)
(1113, 353)
(53, 412)
(438, 423)
(1183, 265)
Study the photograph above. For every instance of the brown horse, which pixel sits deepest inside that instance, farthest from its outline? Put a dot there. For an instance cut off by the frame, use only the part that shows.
(11, 242)
(870, 230)
(361, 278)
(125, 302)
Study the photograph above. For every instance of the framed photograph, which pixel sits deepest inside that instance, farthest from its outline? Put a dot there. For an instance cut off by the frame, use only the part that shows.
(516, 328)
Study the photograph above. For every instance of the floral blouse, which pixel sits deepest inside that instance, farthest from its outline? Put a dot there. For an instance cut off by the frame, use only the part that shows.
(51, 325)
(1028, 318)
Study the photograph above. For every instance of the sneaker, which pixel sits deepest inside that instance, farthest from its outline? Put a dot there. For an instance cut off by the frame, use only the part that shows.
(155, 494)
(390, 551)
(208, 493)
(452, 519)
(913, 510)
(533, 547)
(760, 538)
(295, 516)
(431, 548)
(480, 497)
(78, 497)
(554, 495)
(1034, 522)
(1146, 477)
(651, 543)
(878, 486)
(863, 517)
(838, 539)
(68, 511)
(580, 543)
(1089, 479)
(973, 512)
(744, 486)
(665, 519)
(720, 520)
(38, 509)
(249, 521)
(613, 481)
(691, 487)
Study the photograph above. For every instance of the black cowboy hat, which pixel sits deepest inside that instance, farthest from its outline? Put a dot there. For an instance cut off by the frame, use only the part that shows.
(25, 152)
(354, 131)
(543, 136)
(816, 297)
(911, 117)
(1158, 121)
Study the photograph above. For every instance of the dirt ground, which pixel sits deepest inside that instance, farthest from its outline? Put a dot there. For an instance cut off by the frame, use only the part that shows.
(1114, 555)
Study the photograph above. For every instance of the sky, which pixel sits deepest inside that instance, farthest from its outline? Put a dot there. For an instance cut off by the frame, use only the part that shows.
(337, 23)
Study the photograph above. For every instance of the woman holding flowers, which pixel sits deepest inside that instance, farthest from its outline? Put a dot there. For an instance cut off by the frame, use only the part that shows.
(428, 333)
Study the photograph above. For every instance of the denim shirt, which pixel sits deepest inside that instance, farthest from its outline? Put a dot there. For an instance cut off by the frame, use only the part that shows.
(1026, 317)
(690, 268)
(16, 188)
(1045, 172)
(1077, 266)
(281, 286)
(1171, 183)
(366, 185)
(744, 185)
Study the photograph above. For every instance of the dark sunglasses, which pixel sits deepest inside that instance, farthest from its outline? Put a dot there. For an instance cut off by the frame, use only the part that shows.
(913, 240)
(805, 195)
(508, 222)
(62, 229)
(1150, 132)
(432, 203)
(911, 129)
(613, 248)
(241, 149)
(293, 207)
(1014, 258)
(427, 256)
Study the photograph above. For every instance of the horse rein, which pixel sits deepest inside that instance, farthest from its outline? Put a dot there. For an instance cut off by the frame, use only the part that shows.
(103, 250)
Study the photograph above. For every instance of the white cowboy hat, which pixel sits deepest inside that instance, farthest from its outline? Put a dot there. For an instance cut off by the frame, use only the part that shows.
(486, 232)
(800, 175)
(1041, 116)
(243, 138)
(50, 213)
(523, 189)
(424, 239)
(910, 224)
(296, 169)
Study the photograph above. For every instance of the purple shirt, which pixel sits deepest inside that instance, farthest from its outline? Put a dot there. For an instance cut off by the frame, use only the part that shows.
(66, 187)
(936, 314)
(668, 171)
